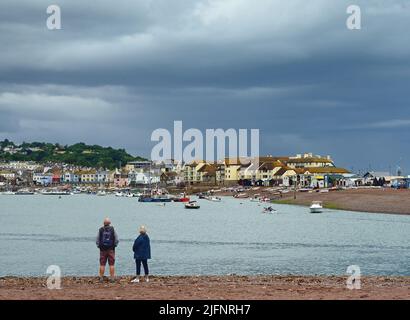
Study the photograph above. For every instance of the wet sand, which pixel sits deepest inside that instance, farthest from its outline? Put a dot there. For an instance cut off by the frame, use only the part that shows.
(203, 288)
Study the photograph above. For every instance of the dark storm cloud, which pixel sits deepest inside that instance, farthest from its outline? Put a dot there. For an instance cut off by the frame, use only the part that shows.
(120, 69)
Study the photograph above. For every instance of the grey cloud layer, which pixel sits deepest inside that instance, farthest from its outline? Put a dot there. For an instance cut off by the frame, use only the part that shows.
(120, 69)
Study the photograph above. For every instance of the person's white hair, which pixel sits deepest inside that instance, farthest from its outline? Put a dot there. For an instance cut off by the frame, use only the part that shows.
(143, 229)
(107, 221)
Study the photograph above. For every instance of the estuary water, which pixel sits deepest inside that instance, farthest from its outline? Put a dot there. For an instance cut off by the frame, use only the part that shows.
(230, 237)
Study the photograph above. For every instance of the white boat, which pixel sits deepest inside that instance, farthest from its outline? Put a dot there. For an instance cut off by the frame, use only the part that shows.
(101, 193)
(215, 199)
(241, 196)
(8, 193)
(119, 194)
(56, 193)
(192, 205)
(316, 207)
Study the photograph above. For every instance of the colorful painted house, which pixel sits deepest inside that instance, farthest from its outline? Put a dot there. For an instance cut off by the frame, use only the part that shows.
(119, 178)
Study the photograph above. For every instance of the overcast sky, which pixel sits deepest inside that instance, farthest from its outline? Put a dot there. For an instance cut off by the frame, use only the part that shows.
(120, 69)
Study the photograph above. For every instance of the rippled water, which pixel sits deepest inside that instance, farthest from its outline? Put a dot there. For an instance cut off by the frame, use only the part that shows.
(221, 238)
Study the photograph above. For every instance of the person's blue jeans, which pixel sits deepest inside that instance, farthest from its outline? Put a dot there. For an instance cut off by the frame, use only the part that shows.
(144, 264)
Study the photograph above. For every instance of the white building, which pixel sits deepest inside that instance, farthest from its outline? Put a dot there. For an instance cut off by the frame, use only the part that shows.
(142, 178)
(103, 176)
(71, 177)
(21, 165)
(9, 175)
(43, 178)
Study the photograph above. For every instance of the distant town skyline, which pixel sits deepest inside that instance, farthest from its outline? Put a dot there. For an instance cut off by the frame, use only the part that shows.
(117, 71)
(391, 170)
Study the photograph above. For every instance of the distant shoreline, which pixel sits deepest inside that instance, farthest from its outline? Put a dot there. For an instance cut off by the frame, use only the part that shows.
(367, 200)
(208, 287)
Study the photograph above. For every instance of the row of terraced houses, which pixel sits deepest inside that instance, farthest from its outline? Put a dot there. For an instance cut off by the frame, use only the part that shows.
(305, 170)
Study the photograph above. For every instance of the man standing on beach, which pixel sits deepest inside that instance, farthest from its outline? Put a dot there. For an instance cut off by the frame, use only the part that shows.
(107, 241)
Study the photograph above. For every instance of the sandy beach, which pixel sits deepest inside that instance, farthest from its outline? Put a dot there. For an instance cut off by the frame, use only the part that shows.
(212, 287)
(386, 200)
(364, 200)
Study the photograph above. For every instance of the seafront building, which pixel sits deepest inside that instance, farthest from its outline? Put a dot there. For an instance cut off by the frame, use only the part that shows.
(302, 170)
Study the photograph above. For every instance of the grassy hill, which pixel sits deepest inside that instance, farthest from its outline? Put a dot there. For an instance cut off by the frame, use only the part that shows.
(76, 154)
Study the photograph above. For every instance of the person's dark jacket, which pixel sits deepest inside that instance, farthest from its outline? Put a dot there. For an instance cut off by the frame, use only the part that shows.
(142, 247)
(98, 239)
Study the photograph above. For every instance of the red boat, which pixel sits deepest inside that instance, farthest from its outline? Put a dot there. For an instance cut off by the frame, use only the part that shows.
(183, 199)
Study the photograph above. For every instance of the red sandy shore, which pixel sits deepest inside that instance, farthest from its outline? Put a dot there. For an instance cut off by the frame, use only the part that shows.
(386, 200)
(213, 287)
(365, 200)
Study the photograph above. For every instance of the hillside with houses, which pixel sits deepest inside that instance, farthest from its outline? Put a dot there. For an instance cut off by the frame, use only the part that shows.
(79, 154)
(93, 170)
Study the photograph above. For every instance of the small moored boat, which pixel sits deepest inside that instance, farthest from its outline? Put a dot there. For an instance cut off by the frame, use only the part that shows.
(241, 196)
(24, 193)
(316, 207)
(155, 198)
(192, 205)
(185, 199)
(182, 198)
(8, 193)
(268, 210)
(55, 193)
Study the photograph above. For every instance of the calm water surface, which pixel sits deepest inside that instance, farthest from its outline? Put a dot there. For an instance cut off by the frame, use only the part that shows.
(221, 238)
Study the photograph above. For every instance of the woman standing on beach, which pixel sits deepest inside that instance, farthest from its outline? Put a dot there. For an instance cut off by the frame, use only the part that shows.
(142, 252)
